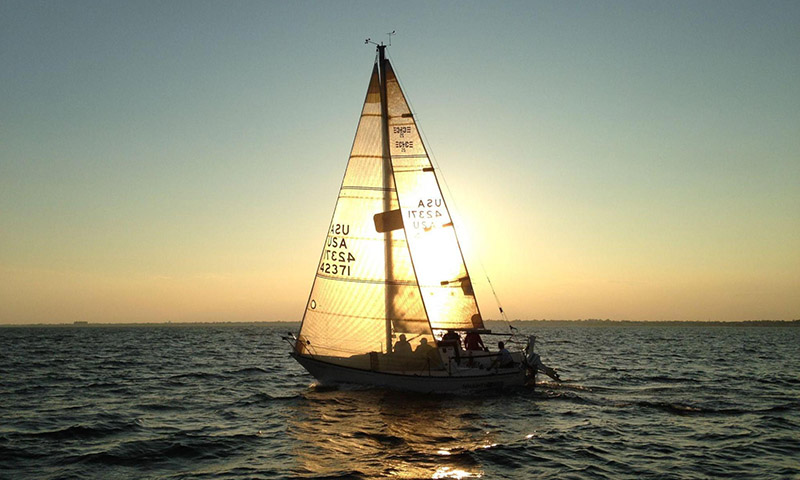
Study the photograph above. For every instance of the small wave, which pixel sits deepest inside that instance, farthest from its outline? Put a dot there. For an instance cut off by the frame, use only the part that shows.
(679, 408)
(86, 432)
(670, 379)
(787, 407)
(569, 396)
(15, 453)
(248, 371)
(109, 364)
(684, 409)
(162, 450)
(265, 398)
(783, 382)
(133, 453)
(165, 405)
(103, 385)
(508, 456)
(340, 475)
(565, 385)
(382, 438)
(30, 389)
(195, 376)
(715, 437)
(785, 445)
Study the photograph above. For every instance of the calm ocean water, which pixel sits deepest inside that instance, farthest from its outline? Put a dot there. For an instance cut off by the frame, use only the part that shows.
(227, 402)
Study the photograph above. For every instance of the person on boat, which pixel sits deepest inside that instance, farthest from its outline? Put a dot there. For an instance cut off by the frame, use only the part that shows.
(473, 342)
(402, 347)
(451, 339)
(424, 348)
(427, 353)
(504, 359)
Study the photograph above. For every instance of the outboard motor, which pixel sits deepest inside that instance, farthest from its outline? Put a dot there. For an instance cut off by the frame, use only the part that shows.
(529, 353)
(534, 362)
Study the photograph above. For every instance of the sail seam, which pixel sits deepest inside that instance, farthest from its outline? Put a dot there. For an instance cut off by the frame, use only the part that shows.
(372, 189)
(361, 317)
(355, 197)
(403, 283)
(396, 241)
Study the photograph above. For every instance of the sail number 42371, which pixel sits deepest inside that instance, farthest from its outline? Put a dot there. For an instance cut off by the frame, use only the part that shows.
(334, 268)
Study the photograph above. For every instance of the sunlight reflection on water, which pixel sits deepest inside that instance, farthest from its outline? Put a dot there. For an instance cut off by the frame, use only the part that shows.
(447, 472)
(396, 428)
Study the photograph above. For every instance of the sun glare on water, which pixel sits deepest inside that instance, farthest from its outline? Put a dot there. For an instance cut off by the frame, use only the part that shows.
(447, 472)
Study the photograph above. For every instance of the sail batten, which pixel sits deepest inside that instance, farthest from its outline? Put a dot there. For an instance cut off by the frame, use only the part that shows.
(372, 282)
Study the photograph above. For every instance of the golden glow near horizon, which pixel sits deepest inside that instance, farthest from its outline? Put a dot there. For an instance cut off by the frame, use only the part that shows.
(604, 162)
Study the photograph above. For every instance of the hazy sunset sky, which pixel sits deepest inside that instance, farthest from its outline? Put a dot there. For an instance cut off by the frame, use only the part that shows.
(179, 161)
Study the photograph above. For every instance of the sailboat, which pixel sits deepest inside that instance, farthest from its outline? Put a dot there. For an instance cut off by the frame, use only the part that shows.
(391, 277)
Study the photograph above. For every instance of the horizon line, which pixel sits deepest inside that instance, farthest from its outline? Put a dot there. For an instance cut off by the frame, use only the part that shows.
(255, 322)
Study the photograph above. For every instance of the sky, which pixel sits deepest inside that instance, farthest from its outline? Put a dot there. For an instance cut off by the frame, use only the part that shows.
(179, 161)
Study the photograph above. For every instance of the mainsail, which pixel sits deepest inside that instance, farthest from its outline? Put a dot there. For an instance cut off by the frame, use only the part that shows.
(391, 263)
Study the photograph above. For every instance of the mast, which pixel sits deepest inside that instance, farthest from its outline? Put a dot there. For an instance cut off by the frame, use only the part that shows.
(387, 197)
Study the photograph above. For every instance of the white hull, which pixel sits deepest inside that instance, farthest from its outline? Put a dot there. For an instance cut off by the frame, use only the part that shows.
(424, 382)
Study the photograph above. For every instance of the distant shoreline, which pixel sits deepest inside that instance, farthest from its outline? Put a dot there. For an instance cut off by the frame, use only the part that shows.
(491, 323)
(598, 322)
